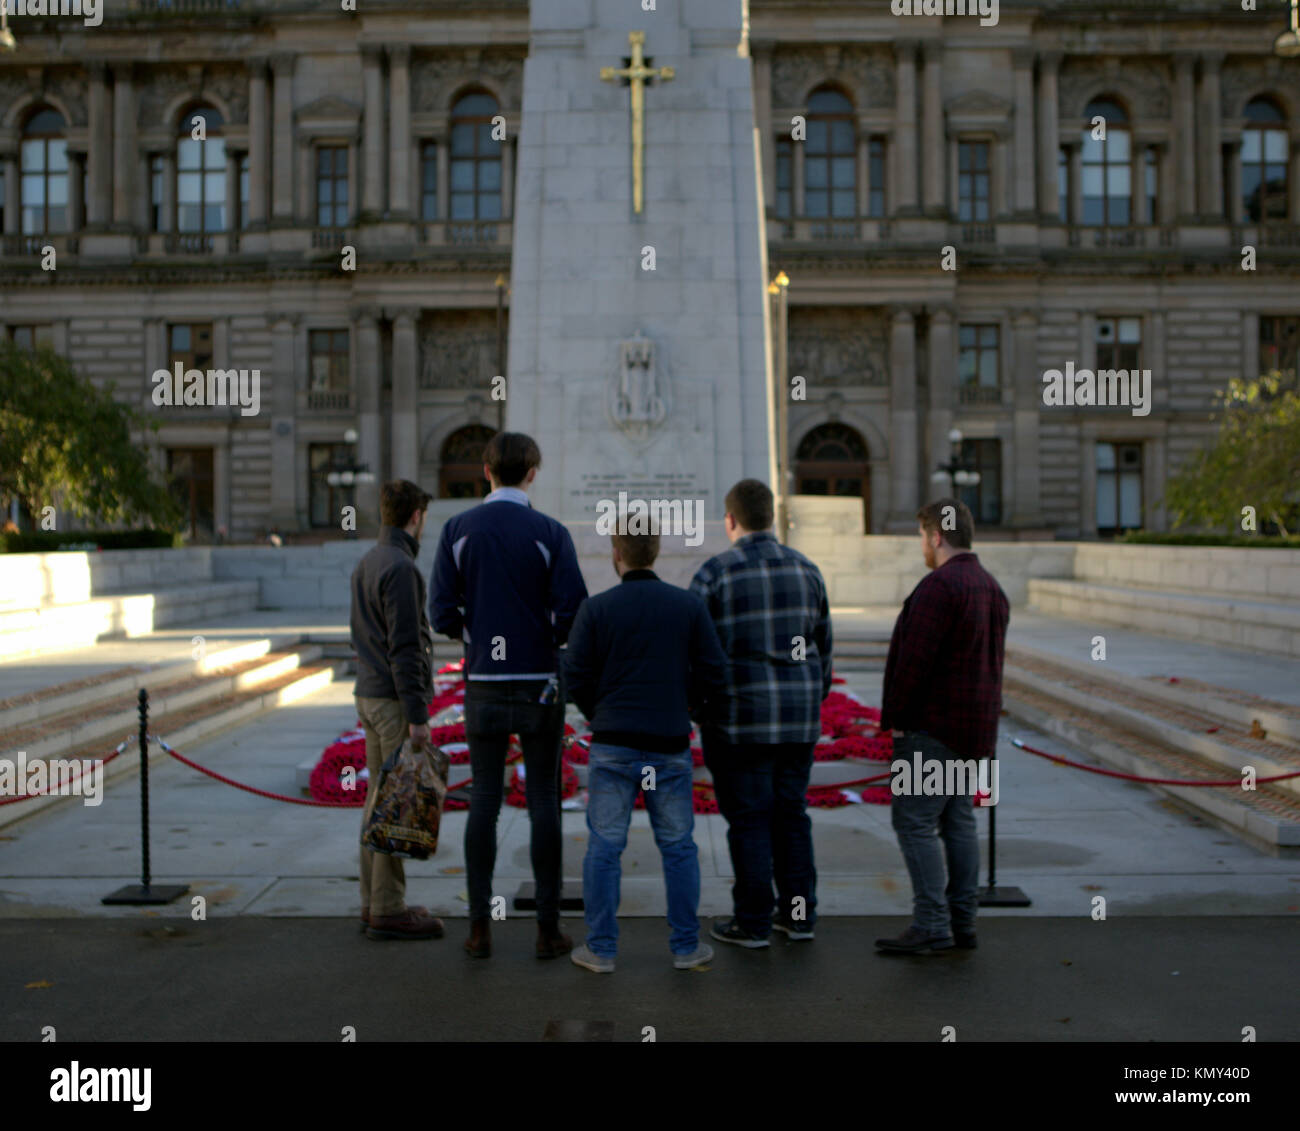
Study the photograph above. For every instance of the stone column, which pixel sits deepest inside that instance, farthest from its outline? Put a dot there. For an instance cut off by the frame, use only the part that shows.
(367, 381)
(1023, 193)
(282, 141)
(1249, 345)
(904, 467)
(1137, 183)
(1024, 506)
(1076, 183)
(258, 149)
(232, 191)
(932, 162)
(1211, 180)
(405, 445)
(399, 131)
(1049, 134)
(943, 381)
(284, 474)
(1153, 358)
(1185, 134)
(905, 130)
(864, 171)
(508, 176)
(372, 79)
(1293, 182)
(167, 221)
(13, 195)
(1236, 213)
(762, 64)
(1166, 197)
(796, 180)
(443, 152)
(144, 197)
(99, 205)
(125, 149)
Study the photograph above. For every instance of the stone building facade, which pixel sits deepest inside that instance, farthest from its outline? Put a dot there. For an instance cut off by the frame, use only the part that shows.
(326, 197)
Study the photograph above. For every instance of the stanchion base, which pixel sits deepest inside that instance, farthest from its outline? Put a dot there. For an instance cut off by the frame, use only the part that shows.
(140, 894)
(1003, 897)
(526, 898)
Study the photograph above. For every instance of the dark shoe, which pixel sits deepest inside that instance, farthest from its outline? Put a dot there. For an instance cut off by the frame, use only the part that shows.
(912, 941)
(796, 930)
(479, 943)
(728, 930)
(365, 919)
(413, 923)
(964, 940)
(551, 943)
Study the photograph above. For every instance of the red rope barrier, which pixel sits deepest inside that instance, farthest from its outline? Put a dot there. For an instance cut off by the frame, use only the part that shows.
(1231, 782)
(41, 793)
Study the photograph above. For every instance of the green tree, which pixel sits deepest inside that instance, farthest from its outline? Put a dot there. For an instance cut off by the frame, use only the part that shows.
(1253, 461)
(66, 443)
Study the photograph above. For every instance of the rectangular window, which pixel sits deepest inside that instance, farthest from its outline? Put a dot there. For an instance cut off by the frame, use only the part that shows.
(332, 186)
(1119, 488)
(328, 350)
(1063, 185)
(876, 177)
(325, 501)
(429, 181)
(985, 497)
(190, 343)
(973, 181)
(978, 364)
(32, 337)
(784, 202)
(1119, 343)
(1279, 345)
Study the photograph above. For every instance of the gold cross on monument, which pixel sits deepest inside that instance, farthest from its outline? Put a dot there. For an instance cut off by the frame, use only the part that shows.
(637, 75)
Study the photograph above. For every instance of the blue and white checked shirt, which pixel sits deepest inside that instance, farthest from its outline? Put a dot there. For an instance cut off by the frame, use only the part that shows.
(765, 598)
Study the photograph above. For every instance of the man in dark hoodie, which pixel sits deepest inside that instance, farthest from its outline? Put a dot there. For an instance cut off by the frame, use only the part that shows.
(643, 657)
(394, 646)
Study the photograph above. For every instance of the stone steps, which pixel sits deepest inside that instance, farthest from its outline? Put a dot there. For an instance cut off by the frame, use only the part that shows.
(53, 627)
(1271, 626)
(1120, 723)
(184, 711)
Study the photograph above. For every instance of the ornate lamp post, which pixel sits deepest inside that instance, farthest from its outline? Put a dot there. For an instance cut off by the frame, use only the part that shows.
(783, 487)
(1288, 43)
(957, 471)
(349, 474)
(7, 40)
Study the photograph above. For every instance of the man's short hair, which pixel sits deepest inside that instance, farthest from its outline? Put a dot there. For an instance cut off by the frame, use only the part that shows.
(399, 499)
(638, 550)
(510, 455)
(750, 501)
(952, 519)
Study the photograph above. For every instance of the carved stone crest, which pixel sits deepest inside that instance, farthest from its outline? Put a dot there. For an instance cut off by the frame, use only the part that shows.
(638, 398)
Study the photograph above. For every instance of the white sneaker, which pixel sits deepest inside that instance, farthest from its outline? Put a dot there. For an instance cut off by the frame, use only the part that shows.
(597, 964)
(698, 957)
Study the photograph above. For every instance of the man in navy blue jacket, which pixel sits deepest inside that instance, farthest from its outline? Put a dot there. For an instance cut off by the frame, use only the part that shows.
(506, 581)
(643, 658)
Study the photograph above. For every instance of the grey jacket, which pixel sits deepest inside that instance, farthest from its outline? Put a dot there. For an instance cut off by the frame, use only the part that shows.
(390, 629)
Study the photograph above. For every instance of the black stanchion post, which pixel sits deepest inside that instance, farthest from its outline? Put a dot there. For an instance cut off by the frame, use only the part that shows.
(991, 895)
(144, 892)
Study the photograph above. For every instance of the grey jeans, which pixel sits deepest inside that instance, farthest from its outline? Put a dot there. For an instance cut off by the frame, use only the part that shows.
(921, 821)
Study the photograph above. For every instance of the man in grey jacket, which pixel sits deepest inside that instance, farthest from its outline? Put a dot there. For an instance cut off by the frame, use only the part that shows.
(394, 645)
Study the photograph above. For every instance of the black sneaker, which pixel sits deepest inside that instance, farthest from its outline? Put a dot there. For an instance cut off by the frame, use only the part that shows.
(912, 941)
(964, 940)
(797, 930)
(728, 930)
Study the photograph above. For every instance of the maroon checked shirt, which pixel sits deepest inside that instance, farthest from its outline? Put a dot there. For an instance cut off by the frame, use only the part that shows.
(944, 672)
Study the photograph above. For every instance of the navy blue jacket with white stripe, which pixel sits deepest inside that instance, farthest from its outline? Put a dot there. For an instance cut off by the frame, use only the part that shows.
(506, 581)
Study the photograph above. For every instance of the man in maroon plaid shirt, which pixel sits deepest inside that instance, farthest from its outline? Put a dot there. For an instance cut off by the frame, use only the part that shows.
(942, 698)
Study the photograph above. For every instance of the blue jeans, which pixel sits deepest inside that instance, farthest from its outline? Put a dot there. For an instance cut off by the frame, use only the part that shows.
(614, 774)
(761, 791)
(921, 822)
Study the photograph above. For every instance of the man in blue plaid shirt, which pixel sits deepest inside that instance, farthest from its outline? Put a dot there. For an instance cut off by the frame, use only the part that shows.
(770, 608)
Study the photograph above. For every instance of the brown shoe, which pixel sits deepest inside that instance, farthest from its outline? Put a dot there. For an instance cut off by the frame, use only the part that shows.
(413, 923)
(479, 943)
(551, 943)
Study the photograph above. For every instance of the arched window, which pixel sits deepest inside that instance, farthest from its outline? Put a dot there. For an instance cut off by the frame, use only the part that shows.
(201, 173)
(830, 157)
(1107, 167)
(475, 159)
(44, 174)
(1264, 147)
(461, 474)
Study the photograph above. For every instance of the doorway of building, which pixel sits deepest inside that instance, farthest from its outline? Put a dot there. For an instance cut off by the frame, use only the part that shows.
(191, 481)
(460, 473)
(833, 460)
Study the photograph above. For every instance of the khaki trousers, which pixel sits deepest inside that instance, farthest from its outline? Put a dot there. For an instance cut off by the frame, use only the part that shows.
(383, 878)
